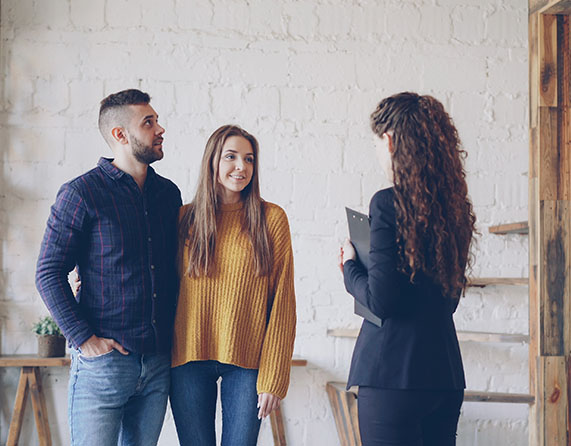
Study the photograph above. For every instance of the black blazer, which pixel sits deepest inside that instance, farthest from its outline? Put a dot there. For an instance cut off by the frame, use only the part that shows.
(417, 346)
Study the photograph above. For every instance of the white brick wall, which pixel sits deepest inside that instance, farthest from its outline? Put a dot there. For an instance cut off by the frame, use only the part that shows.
(303, 76)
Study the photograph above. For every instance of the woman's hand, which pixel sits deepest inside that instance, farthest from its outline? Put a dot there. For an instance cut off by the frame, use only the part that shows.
(346, 252)
(267, 403)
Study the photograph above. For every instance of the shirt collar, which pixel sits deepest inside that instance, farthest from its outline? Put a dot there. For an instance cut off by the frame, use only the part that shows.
(115, 173)
(110, 169)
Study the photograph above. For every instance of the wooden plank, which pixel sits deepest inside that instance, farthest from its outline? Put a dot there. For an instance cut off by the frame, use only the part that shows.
(343, 332)
(33, 361)
(533, 209)
(548, 61)
(563, 7)
(520, 227)
(463, 336)
(563, 104)
(550, 187)
(550, 6)
(552, 399)
(18, 413)
(344, 408)
(554, 282)
(471, 396)
(39, 406)
(278, 430)
(480, 282)
(534, 310)
(533, 72)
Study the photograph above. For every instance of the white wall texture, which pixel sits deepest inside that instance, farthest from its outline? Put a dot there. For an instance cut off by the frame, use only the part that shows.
(303, 76)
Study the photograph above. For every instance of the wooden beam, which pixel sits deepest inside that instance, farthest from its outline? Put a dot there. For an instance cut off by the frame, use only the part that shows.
(33, 361)
(550, 6)
(520, 227)
(554, 284)
(480, 282)
(39, 406)
(19, 407)
(563, 106)
(549, 213)
(552, 397)
(344, 408)
(278, 430)
(463, 336)
(548, 61)
(473, 396)
(496, 397)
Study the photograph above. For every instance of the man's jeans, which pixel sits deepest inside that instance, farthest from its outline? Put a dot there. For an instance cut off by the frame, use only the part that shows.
(193, 403)
(116, 399)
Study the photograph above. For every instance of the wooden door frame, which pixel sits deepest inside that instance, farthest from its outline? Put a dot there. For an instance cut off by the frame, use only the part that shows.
(549, 221)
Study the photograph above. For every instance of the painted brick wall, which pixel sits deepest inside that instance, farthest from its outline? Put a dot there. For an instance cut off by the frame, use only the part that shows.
(303, 76)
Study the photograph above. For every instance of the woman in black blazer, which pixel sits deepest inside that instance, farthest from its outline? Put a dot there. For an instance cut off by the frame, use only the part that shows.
(409, 370)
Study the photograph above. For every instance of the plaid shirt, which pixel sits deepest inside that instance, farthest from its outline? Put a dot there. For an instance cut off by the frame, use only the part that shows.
(123, 241)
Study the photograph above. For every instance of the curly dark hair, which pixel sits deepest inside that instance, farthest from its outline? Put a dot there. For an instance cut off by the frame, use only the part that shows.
(435, 218)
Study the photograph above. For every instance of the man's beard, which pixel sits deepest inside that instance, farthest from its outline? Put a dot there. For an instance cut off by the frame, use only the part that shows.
(143, 153)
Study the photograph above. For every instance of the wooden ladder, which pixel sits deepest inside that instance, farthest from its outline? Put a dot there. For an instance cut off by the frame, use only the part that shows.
(344, 402)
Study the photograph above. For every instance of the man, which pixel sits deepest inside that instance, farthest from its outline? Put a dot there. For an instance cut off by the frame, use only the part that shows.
(117, 223)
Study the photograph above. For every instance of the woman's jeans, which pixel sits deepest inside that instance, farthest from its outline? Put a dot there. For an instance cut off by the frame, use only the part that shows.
(117, 399)
(408, 417)
(193, 401)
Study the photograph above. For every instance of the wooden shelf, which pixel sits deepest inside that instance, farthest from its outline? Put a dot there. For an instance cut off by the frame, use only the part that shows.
(495, 397)
(521, 227)
(479, 336)
(33, 361)
(472, 396)
(343, 332)
(480, 282)
(463, 336)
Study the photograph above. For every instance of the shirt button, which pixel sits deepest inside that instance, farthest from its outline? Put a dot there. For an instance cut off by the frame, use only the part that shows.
(149, 239)
(154, 295)
(146, 213)
(154, 321)
(152, 266)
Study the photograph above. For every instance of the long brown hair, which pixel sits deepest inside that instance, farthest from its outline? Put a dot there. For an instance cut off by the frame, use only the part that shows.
(435, 219)
(197, 229)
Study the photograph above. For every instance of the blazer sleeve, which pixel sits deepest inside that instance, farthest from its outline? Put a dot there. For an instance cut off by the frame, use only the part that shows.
(379, 288)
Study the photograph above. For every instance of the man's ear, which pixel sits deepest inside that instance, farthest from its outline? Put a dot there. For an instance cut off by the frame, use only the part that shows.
(119, 135)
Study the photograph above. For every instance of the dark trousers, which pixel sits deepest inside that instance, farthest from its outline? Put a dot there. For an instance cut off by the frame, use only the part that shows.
(408, 417)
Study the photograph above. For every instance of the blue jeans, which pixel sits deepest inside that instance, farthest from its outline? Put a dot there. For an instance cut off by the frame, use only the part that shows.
(116, 399)
(193, 401)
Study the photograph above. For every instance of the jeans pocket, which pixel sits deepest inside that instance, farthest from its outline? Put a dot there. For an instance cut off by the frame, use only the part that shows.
(84, 358)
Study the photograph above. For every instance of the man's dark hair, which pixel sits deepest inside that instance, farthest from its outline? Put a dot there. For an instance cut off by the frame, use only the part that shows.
(113, 111)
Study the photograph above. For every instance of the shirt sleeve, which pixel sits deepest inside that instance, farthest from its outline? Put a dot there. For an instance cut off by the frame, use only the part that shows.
(379, 287)
(277, 348)
(58, 256)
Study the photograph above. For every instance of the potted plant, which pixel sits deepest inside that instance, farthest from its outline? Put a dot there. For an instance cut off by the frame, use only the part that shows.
(51, 342)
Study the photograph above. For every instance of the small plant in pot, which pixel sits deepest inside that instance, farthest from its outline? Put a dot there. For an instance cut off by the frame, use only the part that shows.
(51, 342)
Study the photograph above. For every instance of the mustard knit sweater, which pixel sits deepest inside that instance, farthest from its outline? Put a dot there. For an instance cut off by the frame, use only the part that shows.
(222, 317)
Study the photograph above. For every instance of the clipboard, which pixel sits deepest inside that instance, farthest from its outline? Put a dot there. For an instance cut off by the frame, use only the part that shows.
(360, 235)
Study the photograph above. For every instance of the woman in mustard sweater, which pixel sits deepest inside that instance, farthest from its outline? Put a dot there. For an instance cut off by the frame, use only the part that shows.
(235, 317)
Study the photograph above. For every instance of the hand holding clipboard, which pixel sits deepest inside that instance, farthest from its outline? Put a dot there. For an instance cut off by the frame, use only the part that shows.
(360, 235)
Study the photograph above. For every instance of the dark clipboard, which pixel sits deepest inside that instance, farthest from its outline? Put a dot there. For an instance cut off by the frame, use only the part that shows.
(360, 235)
